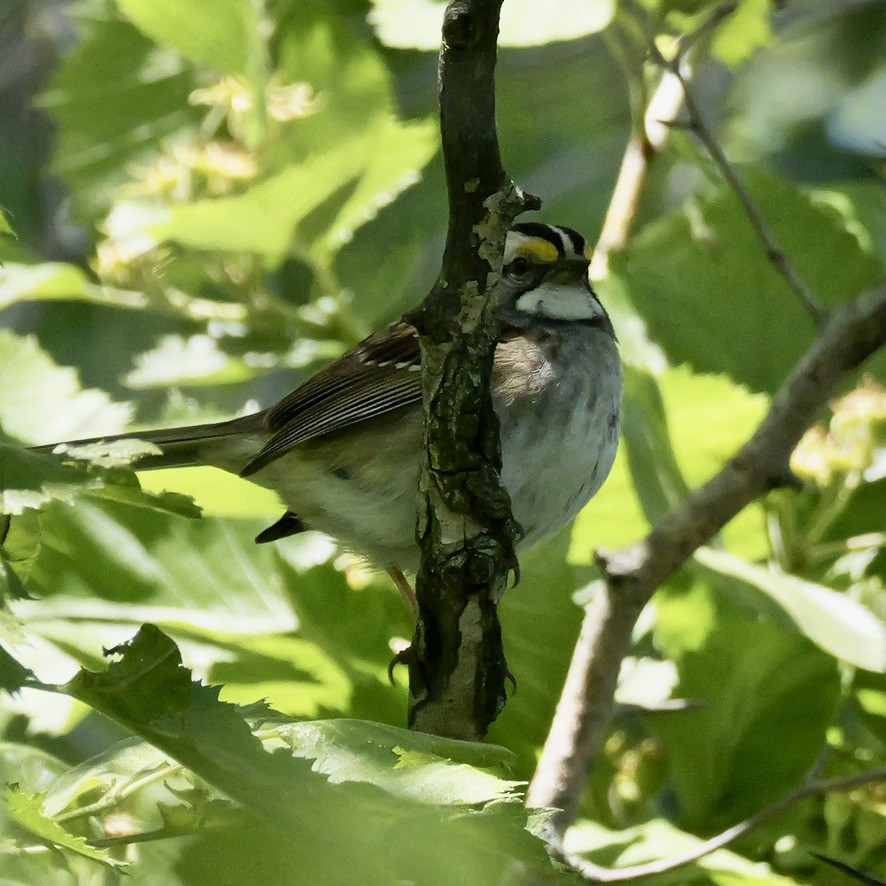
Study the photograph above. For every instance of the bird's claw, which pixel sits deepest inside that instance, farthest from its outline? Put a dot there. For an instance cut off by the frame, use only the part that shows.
(403, 657)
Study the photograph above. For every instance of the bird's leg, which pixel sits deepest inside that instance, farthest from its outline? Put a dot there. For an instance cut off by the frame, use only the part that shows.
(404, 587)
(404, 656)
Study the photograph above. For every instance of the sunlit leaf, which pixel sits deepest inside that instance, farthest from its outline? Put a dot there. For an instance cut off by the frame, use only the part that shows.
(218, 493)
(416, 24)
(659, 840)
(54, 281)
(744, 32)
(833, 621)
(264, 218)
(150, 692)
(406, 764)
(26, 811)
(195, 360)
(678, 425)
(30, 480)
(766, 698)
(113, 65)
(218, 35)
(41, 402)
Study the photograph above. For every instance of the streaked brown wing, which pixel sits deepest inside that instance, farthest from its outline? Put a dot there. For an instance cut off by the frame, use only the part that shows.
(380, 374)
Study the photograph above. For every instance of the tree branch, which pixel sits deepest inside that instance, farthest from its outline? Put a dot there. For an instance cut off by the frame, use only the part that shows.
(599, 874)
(466, 531)
(774, 253)
(631, 575)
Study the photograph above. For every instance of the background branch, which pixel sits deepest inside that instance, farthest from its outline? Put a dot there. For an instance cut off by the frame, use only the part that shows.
(649, 136)
(631, 575)
(600, 874)
(774, 253)
(466, 530)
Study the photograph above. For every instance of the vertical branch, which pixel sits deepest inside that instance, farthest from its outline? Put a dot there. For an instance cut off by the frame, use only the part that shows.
(466, 531)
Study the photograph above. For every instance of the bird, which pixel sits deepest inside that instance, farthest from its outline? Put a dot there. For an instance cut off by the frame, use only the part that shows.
(343, 450)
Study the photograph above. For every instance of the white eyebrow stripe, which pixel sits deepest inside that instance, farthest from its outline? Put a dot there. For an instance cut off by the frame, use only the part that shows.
(568, 248)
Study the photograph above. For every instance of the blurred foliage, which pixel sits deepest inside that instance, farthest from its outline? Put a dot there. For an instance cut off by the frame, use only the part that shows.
(234, 193)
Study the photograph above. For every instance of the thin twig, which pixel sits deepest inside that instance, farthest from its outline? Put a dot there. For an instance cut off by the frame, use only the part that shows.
(642, 148)
(774, 253)
(117, 794)
(849, 870)
(600, 874)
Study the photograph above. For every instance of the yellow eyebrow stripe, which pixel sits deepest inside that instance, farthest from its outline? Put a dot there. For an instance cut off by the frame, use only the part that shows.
(538, 248)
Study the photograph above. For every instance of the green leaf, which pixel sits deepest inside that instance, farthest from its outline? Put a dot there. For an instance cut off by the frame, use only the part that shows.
(26, 811)
(370, 169)
(113, 65)
(614, 516)
(743, 32)
(678, 425)
(31, 768)
(659, 839)
(656, 476)
(41, 402)
(31, 480)
(416, 24)
(150, 692)
(5, 227)
(217, 493)
(55, 281)
(423, 768)
(767, 698)
(833, 621)
(13, 674)
(677, 265)
(197, 360)
(219, 35)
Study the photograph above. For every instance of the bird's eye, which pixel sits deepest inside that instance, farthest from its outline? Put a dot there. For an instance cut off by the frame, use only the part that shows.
(519, 266)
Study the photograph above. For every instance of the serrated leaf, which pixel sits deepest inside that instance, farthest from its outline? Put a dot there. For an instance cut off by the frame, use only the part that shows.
(26, 811)
(30, 480)
(41, 402)
(833, 621)
(13, 674)
(423, 768)
(150, 692)
(197, 360)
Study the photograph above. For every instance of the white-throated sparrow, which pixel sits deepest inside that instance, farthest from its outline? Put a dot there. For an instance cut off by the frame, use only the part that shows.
(343, 450)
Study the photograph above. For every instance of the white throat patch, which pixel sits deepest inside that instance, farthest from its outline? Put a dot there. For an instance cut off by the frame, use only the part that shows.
(560, 302)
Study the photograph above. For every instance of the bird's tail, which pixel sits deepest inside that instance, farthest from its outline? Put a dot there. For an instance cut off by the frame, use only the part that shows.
(228, 444)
